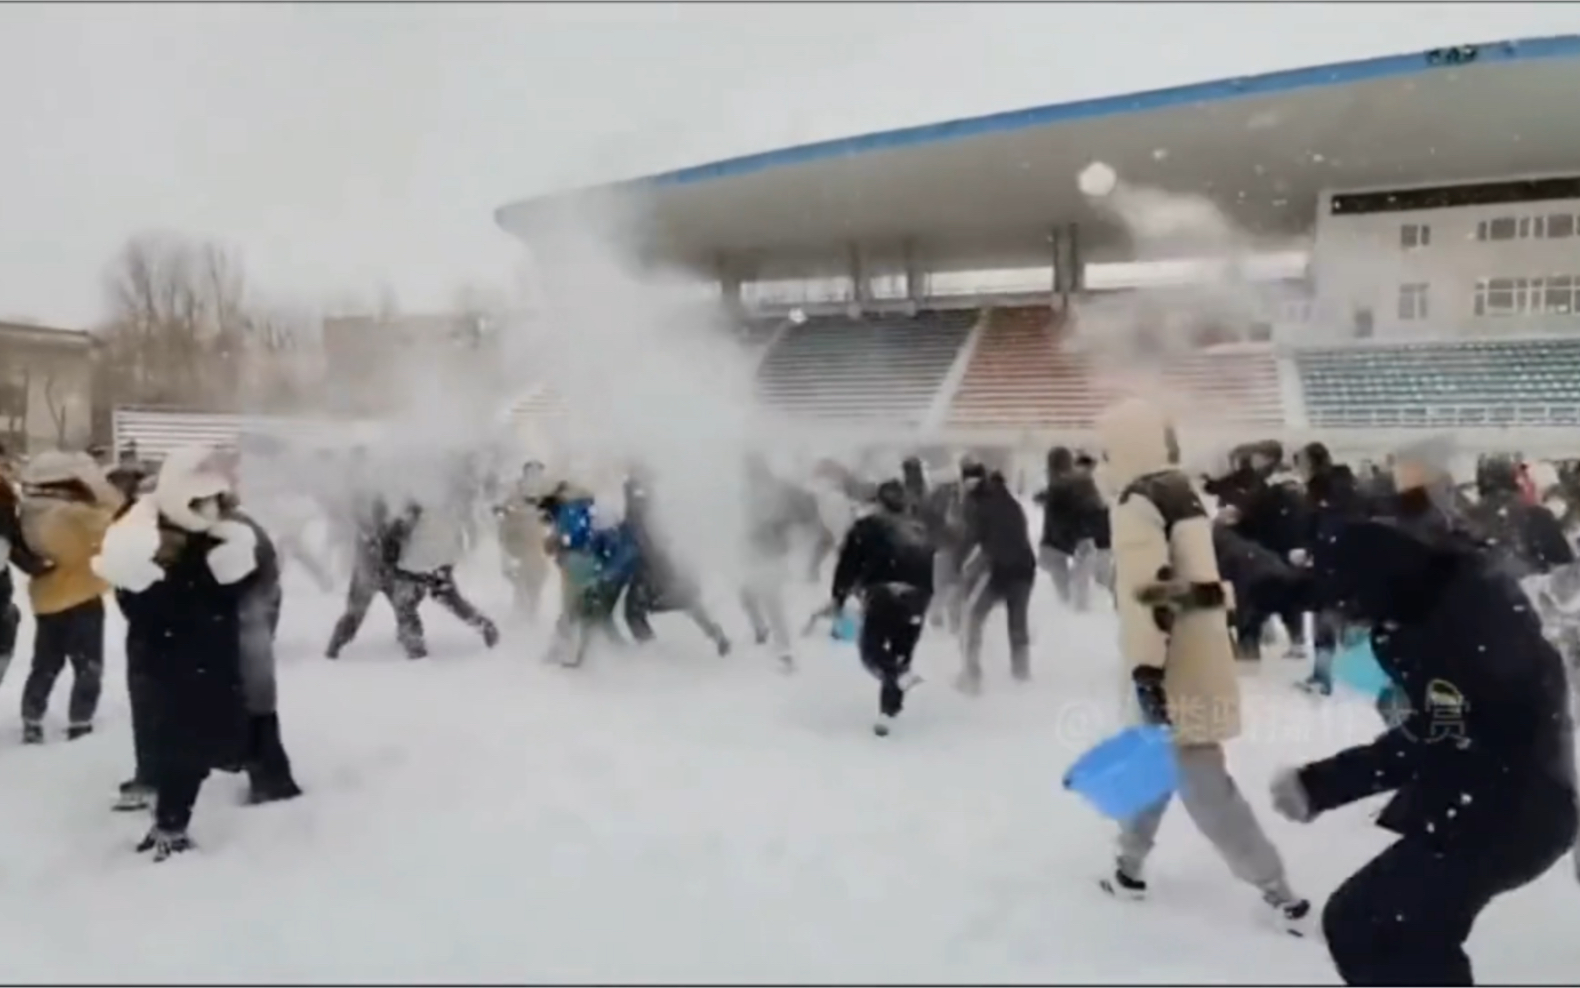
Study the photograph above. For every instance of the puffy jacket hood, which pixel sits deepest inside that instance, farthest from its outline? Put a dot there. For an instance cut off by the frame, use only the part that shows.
(189, 474)
(1137, 439)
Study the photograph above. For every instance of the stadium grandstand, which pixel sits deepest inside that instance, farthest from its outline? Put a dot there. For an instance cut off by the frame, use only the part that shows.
(1404, 229)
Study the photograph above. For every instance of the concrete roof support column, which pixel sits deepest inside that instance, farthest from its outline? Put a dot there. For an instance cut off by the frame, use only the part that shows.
(861, 288)
(914, 276)
(729, 276)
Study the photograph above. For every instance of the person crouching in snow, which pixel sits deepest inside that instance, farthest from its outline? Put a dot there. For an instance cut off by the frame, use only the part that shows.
(198, 608)
(1175, 633)
(887, 559)
(1481, 764)
(66, 506)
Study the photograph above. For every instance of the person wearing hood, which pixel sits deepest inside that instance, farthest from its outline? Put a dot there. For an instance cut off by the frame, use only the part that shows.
(188, 580)
(886, 560)
(425, 542)
(596, 560)
(1000, 567)
(66, 506)
(1481, 765)
(1174, 634)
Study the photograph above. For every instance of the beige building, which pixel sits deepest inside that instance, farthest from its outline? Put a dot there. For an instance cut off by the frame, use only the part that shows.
(46, 388)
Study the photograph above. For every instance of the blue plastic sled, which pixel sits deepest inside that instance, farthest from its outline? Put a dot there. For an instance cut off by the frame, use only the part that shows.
(1357, 668)
(1127, 773)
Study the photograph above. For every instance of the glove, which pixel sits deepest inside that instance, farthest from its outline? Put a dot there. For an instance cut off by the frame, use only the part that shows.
(1150, 695)
(1299, 557)
(235, 557)
(1289, 796)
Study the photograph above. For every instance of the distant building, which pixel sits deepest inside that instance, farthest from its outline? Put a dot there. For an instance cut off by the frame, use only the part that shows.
(46, 388)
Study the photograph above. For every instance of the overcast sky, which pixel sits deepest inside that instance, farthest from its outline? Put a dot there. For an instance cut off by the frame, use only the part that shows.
(339, 148)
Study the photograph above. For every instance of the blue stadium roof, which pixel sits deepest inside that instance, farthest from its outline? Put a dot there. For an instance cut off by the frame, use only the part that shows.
(987, 189)
(1270, 83)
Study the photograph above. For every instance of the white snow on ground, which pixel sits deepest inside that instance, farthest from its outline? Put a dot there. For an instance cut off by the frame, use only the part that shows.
(670, 816)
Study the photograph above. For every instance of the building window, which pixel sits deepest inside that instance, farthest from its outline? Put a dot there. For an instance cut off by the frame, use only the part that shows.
(1558, 299)
(1412, 302)
(1413, 235)
(1364, 324)
(1502, 228)
(1560, 226)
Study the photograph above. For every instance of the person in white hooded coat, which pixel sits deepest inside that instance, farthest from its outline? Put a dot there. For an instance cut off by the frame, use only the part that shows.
(1174, 634)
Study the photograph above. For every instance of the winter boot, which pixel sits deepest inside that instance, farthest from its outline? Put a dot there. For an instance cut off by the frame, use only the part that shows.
(268, 767)
(134, 796)
(75, 731)
(164, 843)
(32, 733)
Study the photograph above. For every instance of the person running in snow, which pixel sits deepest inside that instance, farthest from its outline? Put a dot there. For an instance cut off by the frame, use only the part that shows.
(66, 506)
(660, 583)
(522, 535)
(15, 552)
(187, 581)
(1175, 635)
(773, 512)
(1000, 567)
(887, 561)
(1481, 765)
(425, 543)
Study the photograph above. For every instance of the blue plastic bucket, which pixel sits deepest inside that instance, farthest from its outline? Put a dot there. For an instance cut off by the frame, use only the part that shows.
(1357, 668)
(847, 626)
(1127, 773)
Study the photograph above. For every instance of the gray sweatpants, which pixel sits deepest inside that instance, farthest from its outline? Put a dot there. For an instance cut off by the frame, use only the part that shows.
(1222, 815)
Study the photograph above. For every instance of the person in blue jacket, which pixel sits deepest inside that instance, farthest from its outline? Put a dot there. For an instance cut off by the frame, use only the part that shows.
(596, 563)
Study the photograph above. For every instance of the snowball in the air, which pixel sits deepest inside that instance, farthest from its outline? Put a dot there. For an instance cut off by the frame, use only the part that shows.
(1097, 180)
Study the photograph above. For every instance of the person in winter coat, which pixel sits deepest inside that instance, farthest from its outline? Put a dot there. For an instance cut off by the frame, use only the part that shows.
(1067, 501)
(371, 566)
(1481, 767)
(425, 543)
(1333, 499)
(522, 534)
(188, 584)
(66, 506)
(14, 551)
(772, 515)
(1175, 636)
(1000, 567)
(596, 562)
(945, 520)
(1523, 537)
(887, 560)
(660, 583)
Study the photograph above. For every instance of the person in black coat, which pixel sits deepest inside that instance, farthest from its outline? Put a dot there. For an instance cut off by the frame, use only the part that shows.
(1000, 567)
(197, 605)
(14, 551)
(886, 560)
(1333, 499)
(1523, 537)
(660, 583)
(1481, 765)
(1071, 505)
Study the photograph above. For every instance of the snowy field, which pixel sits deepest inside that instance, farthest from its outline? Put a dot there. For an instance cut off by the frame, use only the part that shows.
(670, 816)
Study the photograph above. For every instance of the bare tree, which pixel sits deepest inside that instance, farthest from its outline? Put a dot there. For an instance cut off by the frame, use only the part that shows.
(59, 409)
(182, 330)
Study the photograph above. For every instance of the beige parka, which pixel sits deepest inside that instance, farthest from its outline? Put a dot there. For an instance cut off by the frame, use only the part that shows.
(1196, 655)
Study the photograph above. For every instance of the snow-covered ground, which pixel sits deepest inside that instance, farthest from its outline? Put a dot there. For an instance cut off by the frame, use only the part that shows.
(671, 816)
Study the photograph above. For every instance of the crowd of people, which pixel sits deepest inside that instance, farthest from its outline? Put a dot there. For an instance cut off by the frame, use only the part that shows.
(1468, 594)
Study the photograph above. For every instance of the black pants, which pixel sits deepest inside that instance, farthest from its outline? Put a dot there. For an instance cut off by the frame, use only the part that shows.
(990, 591)
(890, 629)
(75, 636)
(410, 589)
(142, 693)
(175, 794)
(1403, 919)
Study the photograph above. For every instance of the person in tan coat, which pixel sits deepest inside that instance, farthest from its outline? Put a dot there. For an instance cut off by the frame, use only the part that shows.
(522, 537)
(67, 505)
(1174, 636)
